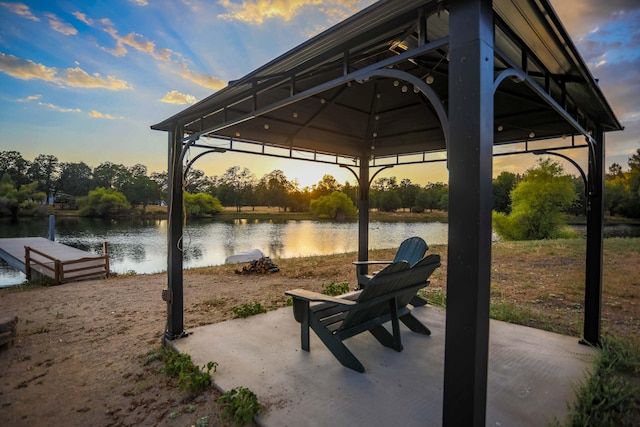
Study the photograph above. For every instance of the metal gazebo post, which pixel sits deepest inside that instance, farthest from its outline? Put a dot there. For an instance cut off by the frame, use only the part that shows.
(595, 226)
(471, 110)
(174, 294)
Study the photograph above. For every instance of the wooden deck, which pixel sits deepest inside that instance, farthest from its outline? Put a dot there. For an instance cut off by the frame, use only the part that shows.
(60, 262)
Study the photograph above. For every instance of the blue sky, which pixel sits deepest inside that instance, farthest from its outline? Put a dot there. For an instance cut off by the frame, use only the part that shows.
(84, 80)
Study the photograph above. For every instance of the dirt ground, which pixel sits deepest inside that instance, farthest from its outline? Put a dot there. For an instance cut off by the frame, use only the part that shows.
(81, 356)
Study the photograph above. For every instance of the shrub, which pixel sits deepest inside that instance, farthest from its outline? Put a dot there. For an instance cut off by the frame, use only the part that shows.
(538, 203)
(103, 202)
(336, 205)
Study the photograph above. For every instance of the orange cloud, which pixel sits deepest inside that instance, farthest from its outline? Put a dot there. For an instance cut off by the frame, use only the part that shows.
(256, 11)
(25, 69)
(98, 115)
(200, 79)
(175, 97)
(139, 43)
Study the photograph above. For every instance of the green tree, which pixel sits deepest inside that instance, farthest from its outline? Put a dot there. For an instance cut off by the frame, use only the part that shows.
(75, 179)
(196, 181)
(351, 191)
(502, 187)
(408, 192)
(326, 186)
(103, 202)
(538, 203)
(336, 205)
(434, 196)
(12, 163)
(44, 170)
(109, 175)
(237, 185)
(278, 188)
(201, 204)
(14, 201)
(138, 188)
(615, 195)
(631, 207)
(579, 205)
(388, 201)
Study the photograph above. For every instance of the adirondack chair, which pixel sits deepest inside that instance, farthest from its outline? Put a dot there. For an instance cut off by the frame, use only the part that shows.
(385, 298)
(410, 250)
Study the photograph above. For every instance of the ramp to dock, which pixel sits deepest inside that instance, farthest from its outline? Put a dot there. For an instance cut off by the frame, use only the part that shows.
(60, 262)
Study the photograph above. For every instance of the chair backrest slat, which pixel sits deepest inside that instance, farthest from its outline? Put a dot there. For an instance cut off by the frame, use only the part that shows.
(393, 279)
(411, 250)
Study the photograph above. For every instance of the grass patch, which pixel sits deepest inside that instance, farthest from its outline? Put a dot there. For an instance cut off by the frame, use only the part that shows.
(610, 396)
(335, 288)
(508, 312)
(435, 296)
(247, 310)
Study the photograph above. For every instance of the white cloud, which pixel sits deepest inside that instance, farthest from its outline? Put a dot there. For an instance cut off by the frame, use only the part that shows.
(60, 26)
(30, 98)
(20, 9)
(60, 109)
(140, 2)
(175, 97)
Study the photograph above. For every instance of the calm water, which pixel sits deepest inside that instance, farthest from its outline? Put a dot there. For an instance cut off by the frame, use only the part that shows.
(141, 245)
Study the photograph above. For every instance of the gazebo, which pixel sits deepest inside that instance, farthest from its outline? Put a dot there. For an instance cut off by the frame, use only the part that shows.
(418, 81)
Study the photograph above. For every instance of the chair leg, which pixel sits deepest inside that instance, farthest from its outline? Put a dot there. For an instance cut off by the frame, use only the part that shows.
(418, 301)
(304, 329)
(414, 324)
(395, 325)
(337, 348)
(385, 338)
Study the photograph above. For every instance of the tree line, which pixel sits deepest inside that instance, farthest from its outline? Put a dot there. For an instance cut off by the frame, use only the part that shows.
(28, 185)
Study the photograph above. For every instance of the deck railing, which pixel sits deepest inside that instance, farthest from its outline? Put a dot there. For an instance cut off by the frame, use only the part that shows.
(64, 271)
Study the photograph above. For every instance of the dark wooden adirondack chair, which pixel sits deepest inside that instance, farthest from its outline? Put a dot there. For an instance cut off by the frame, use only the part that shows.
(411, 250)
(385, 298)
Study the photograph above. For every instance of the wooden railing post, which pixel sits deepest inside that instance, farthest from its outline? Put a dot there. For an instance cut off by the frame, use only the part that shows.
(105, 253)
(58, 273)
(27, 262)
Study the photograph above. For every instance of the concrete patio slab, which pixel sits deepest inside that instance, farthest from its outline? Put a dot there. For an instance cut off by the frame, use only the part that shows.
(532, 373)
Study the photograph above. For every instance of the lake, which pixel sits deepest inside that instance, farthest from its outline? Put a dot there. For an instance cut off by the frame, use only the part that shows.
(140, 245)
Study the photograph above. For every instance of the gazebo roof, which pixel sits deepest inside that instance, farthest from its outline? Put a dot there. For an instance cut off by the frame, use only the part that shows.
(358, 89)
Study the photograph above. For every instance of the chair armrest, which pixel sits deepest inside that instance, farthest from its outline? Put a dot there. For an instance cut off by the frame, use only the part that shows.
(370, 262)
(311, 296)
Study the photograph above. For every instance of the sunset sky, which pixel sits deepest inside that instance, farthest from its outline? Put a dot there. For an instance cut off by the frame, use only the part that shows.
(84, 80)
